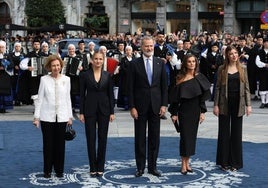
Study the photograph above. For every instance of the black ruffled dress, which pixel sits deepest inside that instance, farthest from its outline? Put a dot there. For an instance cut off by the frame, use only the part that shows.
(188, 101)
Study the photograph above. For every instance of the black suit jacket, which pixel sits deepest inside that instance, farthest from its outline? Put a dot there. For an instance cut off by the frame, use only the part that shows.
(141, 93)
(160, 53)
(181, 54)
(96, 97)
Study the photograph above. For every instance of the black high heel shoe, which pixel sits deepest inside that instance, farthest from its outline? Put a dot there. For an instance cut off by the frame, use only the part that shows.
(233, 169)
(93, 174)
(190, 170)
(183, 172)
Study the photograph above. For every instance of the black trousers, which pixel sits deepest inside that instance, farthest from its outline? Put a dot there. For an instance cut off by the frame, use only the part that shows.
(96, 126)
(53, 146)
(263, 75)
(253, 75)
(153, 139)
(229, 151)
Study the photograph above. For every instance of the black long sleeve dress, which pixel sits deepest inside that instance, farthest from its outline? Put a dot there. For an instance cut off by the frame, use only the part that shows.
(188, 101)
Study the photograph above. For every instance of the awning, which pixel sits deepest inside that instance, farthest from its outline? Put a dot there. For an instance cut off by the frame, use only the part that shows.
(13, 27)
(62, 27)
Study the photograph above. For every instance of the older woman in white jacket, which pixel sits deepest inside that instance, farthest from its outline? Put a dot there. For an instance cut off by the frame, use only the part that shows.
(53, 110)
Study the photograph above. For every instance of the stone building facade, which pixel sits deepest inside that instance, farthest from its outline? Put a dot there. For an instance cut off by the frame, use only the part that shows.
(233, 16)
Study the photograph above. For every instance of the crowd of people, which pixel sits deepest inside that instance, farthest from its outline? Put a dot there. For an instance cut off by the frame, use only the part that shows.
(208, 47)
(146, 74)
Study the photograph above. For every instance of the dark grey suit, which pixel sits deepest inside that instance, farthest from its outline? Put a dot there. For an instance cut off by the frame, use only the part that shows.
(147, 99)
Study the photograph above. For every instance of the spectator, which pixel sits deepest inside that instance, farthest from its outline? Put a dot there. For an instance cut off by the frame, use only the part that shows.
(6, 67)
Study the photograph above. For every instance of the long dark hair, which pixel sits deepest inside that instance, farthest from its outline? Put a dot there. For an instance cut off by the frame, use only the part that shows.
(184, 68)
(239, 67)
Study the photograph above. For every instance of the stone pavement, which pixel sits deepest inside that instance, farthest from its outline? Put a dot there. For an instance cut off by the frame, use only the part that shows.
(254, 130)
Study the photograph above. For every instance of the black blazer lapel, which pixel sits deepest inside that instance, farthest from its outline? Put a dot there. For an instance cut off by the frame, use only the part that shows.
(92, 78)
(141, 69)
(104, 79)
(156, 64)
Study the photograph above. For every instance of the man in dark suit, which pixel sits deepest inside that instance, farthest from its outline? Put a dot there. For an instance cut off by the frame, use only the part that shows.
(148, 99)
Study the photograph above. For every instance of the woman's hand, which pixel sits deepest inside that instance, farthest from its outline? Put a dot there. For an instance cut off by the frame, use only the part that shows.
(248, 110)
(162, 111)
(36, 122)
(70, 122)
(216, 110)
(112, 117)
(134, 113)
(174, 118)
(82, 118)
(201, 118)
(80, 68)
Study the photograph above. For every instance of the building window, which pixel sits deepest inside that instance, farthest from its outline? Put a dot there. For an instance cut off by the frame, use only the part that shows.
(144, 7)
(4, 14)
(258, 5)
(243, 6)
(214, 7)
(178, 6)
(4, 10)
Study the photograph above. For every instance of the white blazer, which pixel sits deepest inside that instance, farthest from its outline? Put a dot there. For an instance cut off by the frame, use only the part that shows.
(54, 99)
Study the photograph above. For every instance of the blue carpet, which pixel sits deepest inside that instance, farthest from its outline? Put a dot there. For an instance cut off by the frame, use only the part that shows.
(21, 163)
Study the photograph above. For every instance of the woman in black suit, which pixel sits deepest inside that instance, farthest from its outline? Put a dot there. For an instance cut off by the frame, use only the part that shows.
(96, 107)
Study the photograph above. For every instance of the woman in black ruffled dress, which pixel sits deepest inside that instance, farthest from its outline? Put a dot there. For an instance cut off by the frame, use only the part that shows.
(188, 107)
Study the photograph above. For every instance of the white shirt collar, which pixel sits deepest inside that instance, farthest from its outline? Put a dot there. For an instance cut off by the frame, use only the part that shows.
(144, 58)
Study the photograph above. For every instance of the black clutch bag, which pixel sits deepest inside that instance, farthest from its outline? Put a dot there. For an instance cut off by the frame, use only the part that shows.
(70, 133)
(177, 126)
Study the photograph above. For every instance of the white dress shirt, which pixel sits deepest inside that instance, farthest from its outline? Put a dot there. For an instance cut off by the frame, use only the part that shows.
(54, 100)
(258, 61)
(24, 63)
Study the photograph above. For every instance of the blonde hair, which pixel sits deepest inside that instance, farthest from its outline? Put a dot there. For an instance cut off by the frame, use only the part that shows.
(50, 59)
(98, 52)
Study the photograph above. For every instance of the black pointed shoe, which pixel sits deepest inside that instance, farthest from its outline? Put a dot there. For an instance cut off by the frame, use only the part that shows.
(155, 173)
(47, 175)
(139, 173)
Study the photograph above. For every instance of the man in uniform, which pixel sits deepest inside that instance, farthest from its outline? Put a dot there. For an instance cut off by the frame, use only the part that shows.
(262, 63)
(29, 84)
